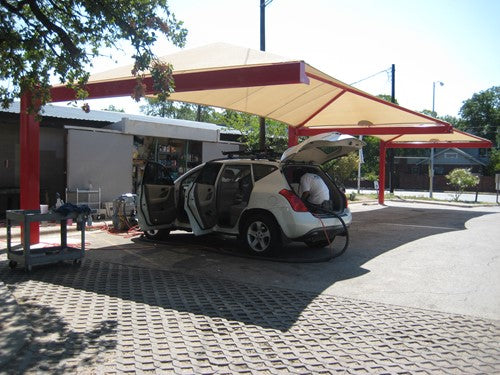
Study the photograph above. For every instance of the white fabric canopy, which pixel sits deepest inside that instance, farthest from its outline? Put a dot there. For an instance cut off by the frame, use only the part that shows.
(314, 100)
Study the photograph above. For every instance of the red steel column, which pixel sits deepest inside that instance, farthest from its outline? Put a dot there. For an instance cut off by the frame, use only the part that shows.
(293, 138)
(29, 171)
(381, 173)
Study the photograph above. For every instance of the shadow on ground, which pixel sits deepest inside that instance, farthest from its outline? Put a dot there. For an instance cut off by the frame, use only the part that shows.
(54, 345)
(197, 275)
(372, 234)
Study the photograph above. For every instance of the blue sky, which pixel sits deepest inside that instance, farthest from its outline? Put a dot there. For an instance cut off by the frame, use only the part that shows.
(453, 41)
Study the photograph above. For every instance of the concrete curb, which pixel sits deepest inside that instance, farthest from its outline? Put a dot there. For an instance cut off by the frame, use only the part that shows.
(441, 203)
(423, 201)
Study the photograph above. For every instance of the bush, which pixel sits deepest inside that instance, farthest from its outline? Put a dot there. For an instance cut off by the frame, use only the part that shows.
(461, 179)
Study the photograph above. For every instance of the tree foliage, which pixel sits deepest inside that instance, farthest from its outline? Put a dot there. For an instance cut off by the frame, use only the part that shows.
(461, 179)
(481, 115)
(113, 108)
(370, 155)
(41, 39)
(494, 165)
(387, 98)
(248, 125)
(343, 169)
(178, 110)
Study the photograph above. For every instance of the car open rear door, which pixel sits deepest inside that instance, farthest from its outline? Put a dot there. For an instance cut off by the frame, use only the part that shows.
(156, 199)
(201, 205)
(321, 148)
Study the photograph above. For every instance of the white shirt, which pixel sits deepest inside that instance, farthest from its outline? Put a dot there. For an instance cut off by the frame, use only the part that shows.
(316, 187)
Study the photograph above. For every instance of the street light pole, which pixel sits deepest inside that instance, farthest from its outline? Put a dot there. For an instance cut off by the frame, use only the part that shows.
(391, 151)
(431, 166)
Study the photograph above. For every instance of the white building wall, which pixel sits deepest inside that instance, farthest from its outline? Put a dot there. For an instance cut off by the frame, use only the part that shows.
(100, 159)
(213, 150)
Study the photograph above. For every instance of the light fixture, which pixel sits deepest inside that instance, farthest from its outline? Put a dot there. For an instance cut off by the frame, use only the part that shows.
(365, 123)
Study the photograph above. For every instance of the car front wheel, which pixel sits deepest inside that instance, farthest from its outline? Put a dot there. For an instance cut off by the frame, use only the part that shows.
(261, 235)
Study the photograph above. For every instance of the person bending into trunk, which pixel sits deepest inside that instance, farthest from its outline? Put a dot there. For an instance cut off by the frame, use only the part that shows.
(312, 189)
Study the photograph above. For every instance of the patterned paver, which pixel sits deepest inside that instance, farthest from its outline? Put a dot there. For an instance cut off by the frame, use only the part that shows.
(110, 318)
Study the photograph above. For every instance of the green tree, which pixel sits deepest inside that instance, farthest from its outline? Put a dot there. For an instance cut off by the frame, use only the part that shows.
(454, 121)
(461, 179)
(387, 98)
(494, 165)
(41, 39)
(481, 115)
(178, 110)
(371, 152)
(248, 126)
(113, 108)
(343, 169)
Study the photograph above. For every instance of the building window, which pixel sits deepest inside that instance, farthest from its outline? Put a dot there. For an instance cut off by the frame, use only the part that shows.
(439, 171)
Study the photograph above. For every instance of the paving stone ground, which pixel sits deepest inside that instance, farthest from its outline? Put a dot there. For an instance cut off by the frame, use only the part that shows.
(109, 318)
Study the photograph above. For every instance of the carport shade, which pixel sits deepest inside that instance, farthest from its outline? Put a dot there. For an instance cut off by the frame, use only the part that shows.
(270, 86)
(245, 80)
(455, 138)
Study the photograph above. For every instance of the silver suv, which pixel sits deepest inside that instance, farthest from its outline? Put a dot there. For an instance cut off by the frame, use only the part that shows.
(254, 198)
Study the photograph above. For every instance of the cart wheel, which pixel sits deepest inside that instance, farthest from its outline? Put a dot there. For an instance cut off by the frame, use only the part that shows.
(12, 264)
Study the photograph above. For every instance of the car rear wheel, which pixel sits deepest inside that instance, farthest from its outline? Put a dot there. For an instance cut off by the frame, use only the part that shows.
(157, 234)
(261, 234)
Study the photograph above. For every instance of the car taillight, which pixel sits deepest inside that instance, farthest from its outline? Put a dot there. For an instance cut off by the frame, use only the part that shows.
(346, 201)
(295, 202)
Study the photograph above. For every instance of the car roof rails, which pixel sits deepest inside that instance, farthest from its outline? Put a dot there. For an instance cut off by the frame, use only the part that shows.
(252, 154)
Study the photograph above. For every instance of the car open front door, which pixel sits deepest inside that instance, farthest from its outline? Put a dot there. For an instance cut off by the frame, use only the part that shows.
(156, 200)
(201, 200)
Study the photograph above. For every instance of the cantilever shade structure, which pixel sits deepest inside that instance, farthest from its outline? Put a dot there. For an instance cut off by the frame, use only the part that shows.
(455, 138)
(251, 81)
(267, 85)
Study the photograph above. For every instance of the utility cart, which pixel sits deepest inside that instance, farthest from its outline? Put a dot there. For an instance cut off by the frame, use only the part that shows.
(24, 256)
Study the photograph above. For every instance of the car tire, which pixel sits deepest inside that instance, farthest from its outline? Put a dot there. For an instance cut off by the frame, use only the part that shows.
(156, 234)
(261, 234)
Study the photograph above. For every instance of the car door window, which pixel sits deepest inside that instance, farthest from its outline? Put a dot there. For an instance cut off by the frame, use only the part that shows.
(233, 192)
(209, 173)
(262, 170)
(186, 181)
(156, 174)
(157, 202)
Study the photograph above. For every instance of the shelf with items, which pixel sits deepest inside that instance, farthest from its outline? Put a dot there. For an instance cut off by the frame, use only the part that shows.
(177, 155)
(89, 197)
